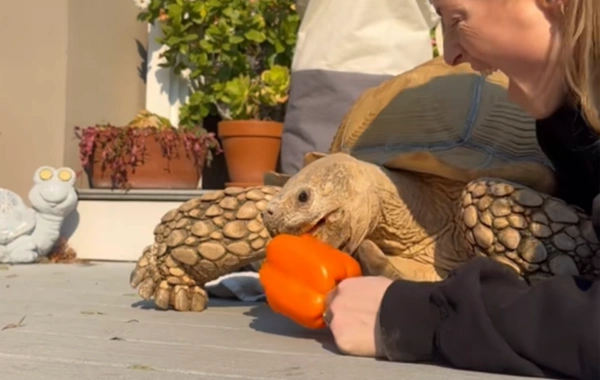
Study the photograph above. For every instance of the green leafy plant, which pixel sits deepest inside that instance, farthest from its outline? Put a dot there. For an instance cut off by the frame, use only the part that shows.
(235, 54)
(123, 149)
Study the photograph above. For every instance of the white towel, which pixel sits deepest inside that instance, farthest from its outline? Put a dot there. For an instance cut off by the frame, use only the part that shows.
(245, 286)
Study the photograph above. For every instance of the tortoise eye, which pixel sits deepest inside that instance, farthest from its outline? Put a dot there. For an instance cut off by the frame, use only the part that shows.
(303, 196)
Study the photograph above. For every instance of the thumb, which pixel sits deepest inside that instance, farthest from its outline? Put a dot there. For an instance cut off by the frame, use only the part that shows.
(331, 296)
(328, 310)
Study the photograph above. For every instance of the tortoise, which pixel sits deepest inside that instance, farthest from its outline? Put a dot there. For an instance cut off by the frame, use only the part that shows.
(427, 170)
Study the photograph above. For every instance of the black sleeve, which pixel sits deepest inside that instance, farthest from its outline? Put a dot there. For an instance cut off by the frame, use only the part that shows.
(483, 317)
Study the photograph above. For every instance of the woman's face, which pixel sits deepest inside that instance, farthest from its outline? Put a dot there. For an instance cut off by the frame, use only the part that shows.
(518, 37)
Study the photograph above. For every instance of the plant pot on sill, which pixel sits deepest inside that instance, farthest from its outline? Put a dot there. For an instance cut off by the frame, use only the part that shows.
(251, 148)
(179, 171)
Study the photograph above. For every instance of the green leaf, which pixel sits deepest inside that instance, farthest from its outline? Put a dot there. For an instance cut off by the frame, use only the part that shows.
(279, 47)
(199, 8)
(190, 37)
(214, 32)
(207, 46)
(230, 12)
(172, 40)
(174, 10)
(236, 39)
(144, 16)
(255, 35)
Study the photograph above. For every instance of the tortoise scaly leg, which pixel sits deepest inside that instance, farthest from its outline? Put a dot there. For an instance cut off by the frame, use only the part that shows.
(535, 234)
(373, 262)
(159, 277)
(202, 240)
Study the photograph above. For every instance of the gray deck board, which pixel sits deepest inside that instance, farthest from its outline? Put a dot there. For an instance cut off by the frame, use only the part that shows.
(85, 322)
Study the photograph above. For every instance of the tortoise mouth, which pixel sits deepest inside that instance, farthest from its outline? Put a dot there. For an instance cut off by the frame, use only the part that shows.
(312, 229)
(318, 226)
(318, 229)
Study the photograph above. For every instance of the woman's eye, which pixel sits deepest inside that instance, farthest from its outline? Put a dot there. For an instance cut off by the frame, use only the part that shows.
(451, 25)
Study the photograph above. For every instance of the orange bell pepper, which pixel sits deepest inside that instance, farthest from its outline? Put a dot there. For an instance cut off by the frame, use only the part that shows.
(299, 272)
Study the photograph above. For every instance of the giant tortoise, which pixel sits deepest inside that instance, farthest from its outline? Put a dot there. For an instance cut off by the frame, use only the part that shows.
(428, 170)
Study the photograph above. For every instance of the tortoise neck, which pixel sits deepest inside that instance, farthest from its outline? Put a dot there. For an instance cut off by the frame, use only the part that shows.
(415, 210)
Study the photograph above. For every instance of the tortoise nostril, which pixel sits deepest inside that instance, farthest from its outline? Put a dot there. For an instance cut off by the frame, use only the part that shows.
(269, 211)
(267, 215)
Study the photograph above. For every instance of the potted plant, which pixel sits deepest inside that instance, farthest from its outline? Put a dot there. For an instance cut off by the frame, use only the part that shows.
(236, 56)
(147, 153)
(251, 141)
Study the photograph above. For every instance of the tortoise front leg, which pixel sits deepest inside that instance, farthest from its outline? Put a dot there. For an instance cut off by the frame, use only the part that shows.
(161, 277)
(374, 262)
(535, 234)
(200, 241)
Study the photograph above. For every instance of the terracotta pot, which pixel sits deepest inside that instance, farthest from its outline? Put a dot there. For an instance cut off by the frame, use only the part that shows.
(251, 148)
(157, 172)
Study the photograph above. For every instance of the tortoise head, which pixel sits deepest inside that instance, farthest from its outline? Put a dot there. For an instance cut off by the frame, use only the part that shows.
(331, 198)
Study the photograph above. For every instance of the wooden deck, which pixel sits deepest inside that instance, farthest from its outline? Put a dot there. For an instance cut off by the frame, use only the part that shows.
(85, 322)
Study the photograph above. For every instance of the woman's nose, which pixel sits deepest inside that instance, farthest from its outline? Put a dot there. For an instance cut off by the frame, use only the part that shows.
(453, 55)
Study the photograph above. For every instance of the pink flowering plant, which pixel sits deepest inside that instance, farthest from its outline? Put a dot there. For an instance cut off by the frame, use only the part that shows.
(123, 149)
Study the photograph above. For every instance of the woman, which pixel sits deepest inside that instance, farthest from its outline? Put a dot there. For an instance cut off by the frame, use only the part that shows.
(483, 317)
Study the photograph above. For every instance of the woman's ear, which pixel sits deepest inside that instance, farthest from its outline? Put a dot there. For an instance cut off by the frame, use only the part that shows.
(553, 8)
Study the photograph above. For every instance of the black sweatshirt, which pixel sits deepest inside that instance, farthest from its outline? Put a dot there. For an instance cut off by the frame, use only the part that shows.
(483, 317)
(574, 150)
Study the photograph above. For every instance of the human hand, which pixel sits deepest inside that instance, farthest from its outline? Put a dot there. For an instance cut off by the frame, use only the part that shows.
(352, 311)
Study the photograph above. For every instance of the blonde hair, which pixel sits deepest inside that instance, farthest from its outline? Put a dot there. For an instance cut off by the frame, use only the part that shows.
(581, 44)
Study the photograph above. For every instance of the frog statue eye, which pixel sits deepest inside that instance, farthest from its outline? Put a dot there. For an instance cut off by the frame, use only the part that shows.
(65, 175)
(46, 174)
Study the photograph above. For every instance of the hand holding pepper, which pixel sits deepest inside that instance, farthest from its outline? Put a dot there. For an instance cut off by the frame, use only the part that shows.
(299, 273)
(353, 309)
(309, 281)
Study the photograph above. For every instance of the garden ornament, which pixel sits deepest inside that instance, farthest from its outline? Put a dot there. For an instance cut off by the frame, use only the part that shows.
(26, 234)
(427, 171)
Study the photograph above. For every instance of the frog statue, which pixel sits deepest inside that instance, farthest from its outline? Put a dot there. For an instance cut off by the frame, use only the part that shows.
(26, 234)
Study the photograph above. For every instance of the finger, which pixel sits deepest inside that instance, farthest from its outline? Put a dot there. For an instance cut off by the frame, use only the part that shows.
(345, 339)
(328, 316)
(330, 296)
(352, 342)
(328, 312)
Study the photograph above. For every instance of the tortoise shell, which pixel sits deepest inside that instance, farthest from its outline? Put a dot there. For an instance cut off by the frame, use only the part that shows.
(448, 121)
